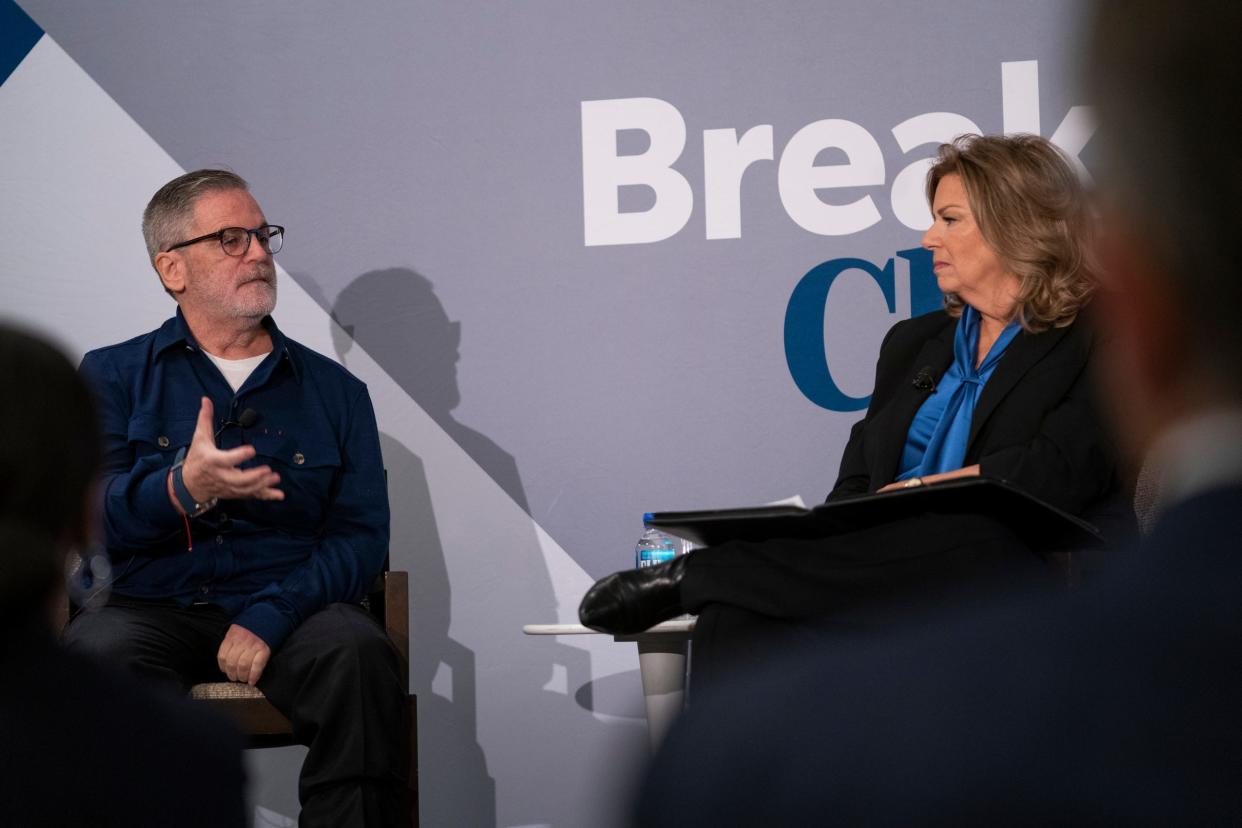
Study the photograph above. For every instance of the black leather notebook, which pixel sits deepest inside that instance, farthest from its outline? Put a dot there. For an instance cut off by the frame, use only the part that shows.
(1045, 528)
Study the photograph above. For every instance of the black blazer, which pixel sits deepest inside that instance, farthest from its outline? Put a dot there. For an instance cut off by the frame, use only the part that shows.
(1036, 425)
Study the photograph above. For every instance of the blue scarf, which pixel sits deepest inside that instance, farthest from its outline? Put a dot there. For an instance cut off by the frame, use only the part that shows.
(938, 434)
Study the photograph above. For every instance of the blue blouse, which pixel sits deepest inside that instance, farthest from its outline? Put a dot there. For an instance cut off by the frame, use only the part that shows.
(936, 441)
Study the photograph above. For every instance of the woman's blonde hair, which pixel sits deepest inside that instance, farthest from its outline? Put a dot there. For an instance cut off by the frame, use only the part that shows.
(1032, 211)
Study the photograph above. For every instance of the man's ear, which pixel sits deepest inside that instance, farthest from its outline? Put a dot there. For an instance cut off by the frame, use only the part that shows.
(171, 269)
(1145, 336)
(1146, 312)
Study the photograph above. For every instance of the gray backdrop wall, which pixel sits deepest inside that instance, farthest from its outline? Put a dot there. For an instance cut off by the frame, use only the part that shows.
(588, 258)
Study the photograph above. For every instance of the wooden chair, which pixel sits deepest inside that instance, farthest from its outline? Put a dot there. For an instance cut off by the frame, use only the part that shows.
(264, 726)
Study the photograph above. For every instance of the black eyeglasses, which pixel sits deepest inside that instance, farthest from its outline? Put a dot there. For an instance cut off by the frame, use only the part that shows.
(235, 241)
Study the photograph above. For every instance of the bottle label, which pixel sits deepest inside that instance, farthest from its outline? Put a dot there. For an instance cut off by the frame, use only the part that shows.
(652, 557)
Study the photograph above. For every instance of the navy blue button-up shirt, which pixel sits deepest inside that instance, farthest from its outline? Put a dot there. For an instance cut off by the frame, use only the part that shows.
(270, 563)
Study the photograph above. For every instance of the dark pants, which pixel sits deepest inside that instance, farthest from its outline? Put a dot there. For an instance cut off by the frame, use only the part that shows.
(337, 678)
(755, 600)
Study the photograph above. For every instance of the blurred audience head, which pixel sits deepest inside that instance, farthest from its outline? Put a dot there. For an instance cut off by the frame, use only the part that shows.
(49, 458)
(1166, 79)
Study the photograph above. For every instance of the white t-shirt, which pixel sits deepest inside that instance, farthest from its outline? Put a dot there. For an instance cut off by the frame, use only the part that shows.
(236, 371)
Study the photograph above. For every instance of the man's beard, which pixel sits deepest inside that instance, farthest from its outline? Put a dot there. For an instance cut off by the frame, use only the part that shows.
(254, 299)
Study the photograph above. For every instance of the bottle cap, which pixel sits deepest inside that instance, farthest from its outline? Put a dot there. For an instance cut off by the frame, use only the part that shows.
(647, 516)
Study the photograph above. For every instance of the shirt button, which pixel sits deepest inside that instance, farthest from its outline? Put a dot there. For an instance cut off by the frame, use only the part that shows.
(219, 540)
(162, 440)
(298, 459)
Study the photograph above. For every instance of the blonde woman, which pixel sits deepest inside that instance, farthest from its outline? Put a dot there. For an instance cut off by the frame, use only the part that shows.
(994, 384)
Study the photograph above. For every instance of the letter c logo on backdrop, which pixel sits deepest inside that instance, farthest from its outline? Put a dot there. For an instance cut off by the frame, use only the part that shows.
(804, 320)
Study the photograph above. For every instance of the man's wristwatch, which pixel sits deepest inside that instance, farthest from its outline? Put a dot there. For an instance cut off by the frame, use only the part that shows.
(189, 505)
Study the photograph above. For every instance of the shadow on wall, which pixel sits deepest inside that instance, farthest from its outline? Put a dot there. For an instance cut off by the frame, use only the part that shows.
(454, 779)
(395, 316)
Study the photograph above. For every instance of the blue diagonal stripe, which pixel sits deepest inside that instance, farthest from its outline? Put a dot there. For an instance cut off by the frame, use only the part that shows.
(18, 35)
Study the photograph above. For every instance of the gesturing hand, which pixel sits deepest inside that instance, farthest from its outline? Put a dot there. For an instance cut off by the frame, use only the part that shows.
(209, 472)
(243, 655)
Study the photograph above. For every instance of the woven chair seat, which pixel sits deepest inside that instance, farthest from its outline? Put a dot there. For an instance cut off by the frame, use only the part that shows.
(225, 690)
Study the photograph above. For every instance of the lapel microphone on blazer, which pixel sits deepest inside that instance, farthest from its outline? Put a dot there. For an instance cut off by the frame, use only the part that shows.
(924, 380)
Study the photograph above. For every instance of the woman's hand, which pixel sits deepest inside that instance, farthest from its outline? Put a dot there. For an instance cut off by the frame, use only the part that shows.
(904, 484)
(965, 471)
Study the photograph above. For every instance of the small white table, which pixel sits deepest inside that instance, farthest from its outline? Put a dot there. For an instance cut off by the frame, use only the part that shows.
(661, 663)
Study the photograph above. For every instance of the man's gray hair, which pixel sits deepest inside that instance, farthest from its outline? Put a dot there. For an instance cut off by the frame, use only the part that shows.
(168, 214)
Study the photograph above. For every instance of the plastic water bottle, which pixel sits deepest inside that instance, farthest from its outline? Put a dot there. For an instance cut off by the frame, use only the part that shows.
(655, 547)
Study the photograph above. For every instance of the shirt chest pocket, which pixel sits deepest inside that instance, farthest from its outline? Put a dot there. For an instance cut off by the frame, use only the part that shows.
(308, 467)
(152, 435)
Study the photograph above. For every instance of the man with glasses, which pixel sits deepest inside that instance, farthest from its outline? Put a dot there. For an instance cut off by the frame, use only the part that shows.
(245, 506)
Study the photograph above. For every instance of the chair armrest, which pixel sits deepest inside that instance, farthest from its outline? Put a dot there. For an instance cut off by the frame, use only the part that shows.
(397, 612)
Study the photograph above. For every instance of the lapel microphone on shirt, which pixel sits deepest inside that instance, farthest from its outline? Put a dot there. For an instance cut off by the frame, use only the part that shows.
(924, 380)
(246, 419)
